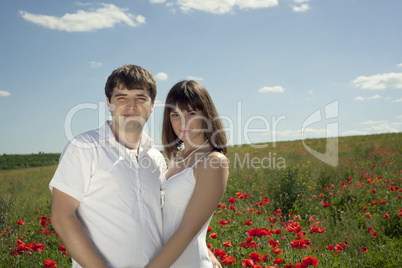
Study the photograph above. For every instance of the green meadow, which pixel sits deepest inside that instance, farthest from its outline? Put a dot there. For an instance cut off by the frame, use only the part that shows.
(282, 208)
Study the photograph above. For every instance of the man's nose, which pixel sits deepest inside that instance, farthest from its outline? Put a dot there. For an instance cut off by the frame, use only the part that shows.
(131, 103)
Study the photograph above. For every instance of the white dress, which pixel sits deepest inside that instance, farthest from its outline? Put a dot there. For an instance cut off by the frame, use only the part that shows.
(176, 193)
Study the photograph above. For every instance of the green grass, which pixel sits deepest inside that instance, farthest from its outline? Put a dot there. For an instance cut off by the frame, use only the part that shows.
(291, 178)
(17, 161)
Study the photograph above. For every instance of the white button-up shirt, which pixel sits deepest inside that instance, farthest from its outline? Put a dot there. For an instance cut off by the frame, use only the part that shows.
(119, 195)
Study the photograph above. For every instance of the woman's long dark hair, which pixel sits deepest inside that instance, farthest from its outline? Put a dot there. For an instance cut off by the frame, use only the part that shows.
(191, 95)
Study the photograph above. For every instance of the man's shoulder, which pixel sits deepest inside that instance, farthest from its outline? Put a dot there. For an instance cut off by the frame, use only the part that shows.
(87, 139)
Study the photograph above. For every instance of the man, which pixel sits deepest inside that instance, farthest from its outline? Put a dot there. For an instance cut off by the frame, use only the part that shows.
(106, 189)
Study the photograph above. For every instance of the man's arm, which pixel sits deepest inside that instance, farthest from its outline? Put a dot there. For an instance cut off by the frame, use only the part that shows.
(71, 232)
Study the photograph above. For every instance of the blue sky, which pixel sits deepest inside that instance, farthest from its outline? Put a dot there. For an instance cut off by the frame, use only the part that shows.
(268, 64)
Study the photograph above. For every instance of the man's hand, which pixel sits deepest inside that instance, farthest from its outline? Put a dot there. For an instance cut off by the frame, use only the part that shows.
(214, 260)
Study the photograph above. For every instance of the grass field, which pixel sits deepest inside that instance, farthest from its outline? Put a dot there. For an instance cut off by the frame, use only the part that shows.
(282, 208)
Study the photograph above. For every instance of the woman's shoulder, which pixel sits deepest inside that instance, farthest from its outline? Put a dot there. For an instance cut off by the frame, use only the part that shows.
(214, 160)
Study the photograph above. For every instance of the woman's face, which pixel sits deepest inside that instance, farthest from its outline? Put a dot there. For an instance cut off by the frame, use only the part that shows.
(188, 125)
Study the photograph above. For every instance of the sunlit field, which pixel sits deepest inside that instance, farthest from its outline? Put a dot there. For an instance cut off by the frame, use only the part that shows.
(282, 208)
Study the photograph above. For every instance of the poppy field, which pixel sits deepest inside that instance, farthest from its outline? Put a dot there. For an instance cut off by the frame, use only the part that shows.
(282, 208)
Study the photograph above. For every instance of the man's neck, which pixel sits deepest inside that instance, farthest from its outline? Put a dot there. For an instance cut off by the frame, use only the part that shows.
(129, 139)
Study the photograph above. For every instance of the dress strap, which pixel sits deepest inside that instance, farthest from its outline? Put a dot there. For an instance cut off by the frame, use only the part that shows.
(202, 157)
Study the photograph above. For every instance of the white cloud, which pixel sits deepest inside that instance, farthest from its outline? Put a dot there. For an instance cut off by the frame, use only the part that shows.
(224, 6)
(95, 64)
(274, 89)
(302, 8)
(374, 127)
(379, 81)
(161, 76)
(354, 133)
(399, 65)
(398, 100)
(359, 98)
(370, 122)
(301, 1)
(399, 116)
(4, 93)
(310, 92)
(157, 1)
(296, 134)
(106, 16)
(382, 128)
(196, 78)
(374, 97)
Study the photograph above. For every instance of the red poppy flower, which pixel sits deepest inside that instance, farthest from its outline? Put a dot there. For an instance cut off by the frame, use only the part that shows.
(374, 234)
(49, 264)
(228, 260)
(223, 222)
(232, 200)
(310, 261)
(364, 249)
(20, 222)
(277, 251)
(340, 247)
(213, 235)
(278, 261)
(220, 253)
(249, 243)
(248, 222)
(255, 257)
(259, 232)
(227, 244)
(247, 263)
(367, 215)
(386, 216)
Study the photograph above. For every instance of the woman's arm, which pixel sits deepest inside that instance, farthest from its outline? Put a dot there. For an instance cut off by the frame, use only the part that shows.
(209, 188)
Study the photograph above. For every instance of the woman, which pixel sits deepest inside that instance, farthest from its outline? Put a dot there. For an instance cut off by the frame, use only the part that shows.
(196, 178)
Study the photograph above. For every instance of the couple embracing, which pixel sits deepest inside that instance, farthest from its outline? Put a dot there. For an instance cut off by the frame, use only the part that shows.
(115, 204)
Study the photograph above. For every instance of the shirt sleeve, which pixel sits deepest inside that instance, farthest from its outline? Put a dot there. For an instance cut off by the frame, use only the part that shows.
(74, 171)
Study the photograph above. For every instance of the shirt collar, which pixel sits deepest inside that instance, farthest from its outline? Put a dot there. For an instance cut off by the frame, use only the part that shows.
(106, 135)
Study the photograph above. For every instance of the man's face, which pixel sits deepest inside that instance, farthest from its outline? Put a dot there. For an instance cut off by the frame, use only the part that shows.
(130, 108)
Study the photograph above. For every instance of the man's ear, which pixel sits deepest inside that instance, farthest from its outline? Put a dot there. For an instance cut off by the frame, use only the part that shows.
(152, 105)
(108, 104)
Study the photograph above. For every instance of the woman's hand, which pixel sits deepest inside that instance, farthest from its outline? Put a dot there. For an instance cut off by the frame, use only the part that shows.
(214, 260)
